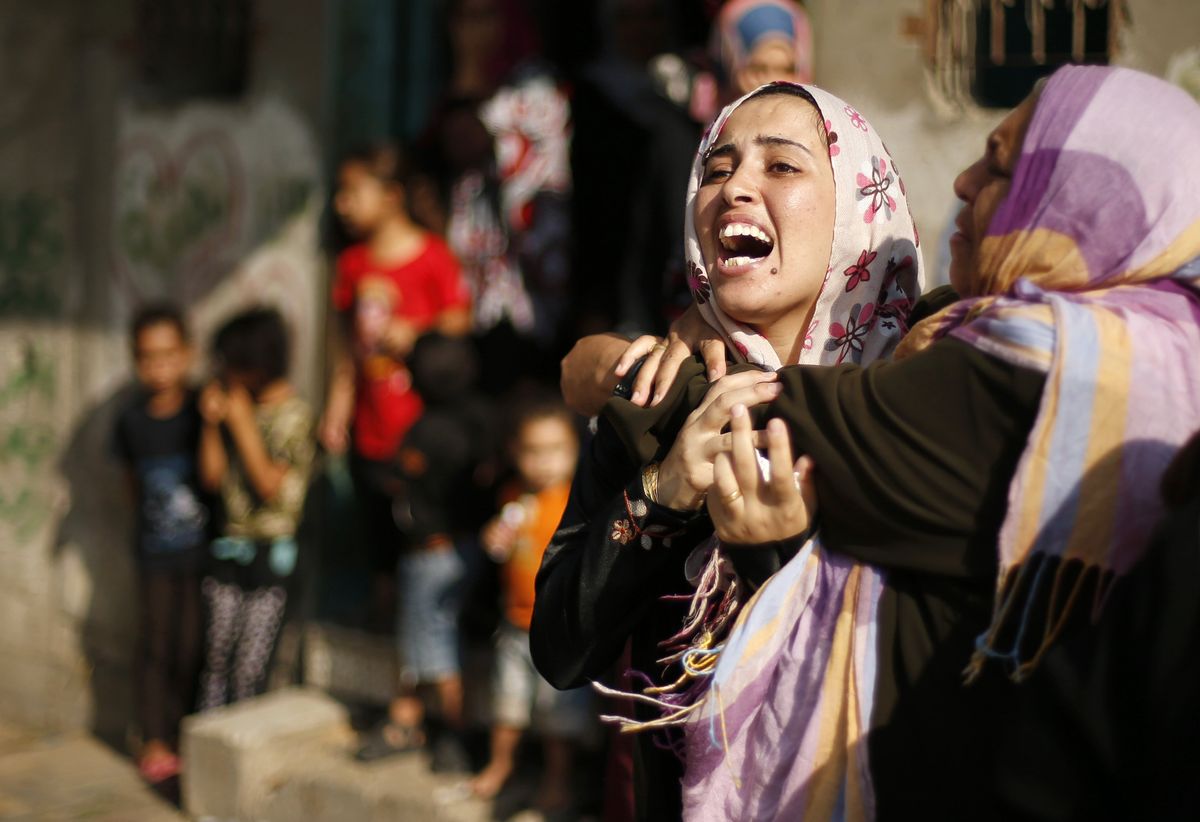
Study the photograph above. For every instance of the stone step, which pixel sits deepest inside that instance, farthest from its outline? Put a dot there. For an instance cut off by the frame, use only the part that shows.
(360, 667)
(288, 755)
(235, 758)
(334, 788)
(72, 777)
(351, 664)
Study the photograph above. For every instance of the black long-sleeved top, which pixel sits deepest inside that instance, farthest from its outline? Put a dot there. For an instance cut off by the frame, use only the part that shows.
(914, 461)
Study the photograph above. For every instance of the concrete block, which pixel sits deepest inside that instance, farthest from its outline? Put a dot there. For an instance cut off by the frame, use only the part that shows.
(236, 758)
(355, 665)
(334, 788)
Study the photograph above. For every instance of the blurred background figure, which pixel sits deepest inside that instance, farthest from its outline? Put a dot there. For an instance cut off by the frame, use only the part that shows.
(628, 215)
(395, 282)
(157, 438)
(497, 149)
(544, 448)
(760, 41)
(256, 451)
(437, 508)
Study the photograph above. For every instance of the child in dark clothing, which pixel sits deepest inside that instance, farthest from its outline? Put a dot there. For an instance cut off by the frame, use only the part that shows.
(434, 483)
(256, 449)
(156, 437)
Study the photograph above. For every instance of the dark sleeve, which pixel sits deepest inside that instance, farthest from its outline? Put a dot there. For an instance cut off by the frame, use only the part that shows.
(120, 445)
(914, 458)
(433, 462)
(756, 563)
(931, 302)
(613, 555)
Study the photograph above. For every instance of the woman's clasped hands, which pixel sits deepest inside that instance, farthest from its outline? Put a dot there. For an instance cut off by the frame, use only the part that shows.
(715, 460)
(748, 508)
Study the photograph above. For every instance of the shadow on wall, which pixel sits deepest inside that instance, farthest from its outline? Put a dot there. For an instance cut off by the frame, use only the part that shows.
(99, 592)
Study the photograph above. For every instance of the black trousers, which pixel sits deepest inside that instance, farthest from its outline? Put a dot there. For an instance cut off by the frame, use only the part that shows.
(168, 655)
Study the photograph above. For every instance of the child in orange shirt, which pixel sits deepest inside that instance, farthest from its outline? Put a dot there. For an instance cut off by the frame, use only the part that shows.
(545, 448)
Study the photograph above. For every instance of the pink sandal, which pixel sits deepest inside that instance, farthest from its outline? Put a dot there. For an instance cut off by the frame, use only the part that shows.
(159, 767)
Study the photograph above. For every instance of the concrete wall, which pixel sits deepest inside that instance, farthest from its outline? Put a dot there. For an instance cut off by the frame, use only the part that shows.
(105, 203)
(862, 57)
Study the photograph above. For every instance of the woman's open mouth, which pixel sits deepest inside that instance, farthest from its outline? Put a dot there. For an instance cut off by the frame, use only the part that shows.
(741, 245)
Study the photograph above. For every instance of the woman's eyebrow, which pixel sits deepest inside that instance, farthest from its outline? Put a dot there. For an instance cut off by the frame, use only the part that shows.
(770, 140)
(720, 151)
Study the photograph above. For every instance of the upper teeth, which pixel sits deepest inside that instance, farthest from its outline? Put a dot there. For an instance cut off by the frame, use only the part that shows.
(744, 229)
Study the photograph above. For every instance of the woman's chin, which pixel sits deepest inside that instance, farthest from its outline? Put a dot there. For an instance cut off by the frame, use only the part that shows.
(748, 309)
(960, 277)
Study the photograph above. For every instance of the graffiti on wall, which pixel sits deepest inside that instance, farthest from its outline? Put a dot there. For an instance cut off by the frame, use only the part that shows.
(198, 191)
(178, 214)
(217, 208)
(27, 442)
(32, 246)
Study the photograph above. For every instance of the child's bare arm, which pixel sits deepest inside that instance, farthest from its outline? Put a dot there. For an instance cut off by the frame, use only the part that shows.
(214, 406)
(334, 427)
(263, 473)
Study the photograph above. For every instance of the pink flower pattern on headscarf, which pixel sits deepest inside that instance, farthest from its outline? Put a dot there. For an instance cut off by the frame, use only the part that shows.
(873, 187)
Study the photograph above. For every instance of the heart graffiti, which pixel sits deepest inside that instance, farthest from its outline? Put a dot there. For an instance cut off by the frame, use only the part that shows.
(177, 224)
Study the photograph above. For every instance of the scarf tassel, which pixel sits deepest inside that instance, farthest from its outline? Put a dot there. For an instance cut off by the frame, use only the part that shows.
(1046, 591)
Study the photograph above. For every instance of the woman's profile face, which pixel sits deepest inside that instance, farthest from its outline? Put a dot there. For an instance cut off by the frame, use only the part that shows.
(765, 211)
(982, 187)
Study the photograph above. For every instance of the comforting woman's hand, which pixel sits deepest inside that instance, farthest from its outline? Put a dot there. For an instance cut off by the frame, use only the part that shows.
(687, 471)
(688, 334)
(747, 509)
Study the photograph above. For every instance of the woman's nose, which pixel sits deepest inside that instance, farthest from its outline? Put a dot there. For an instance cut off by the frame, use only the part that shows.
(966, 184)
(740, 188)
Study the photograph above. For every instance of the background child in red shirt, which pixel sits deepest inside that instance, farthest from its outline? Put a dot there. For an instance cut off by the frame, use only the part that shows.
(394, 284)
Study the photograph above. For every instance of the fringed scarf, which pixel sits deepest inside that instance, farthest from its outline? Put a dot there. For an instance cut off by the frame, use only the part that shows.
(1089, 272)
(752, 750)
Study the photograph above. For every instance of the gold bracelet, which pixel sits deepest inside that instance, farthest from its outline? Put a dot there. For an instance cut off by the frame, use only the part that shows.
(650, 482)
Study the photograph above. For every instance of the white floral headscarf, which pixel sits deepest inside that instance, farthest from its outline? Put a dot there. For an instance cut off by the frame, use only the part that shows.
(875, 273)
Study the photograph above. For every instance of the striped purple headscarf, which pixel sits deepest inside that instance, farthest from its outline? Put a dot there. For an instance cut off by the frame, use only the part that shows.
(1089, 272)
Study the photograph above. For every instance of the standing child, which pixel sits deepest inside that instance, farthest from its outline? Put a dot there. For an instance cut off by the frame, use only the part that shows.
(398, 282)
(156, 437)
(256, 450)
(545, 448)
(436, 471)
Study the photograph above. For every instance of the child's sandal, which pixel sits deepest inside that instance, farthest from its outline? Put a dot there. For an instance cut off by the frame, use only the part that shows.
(388, 739)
